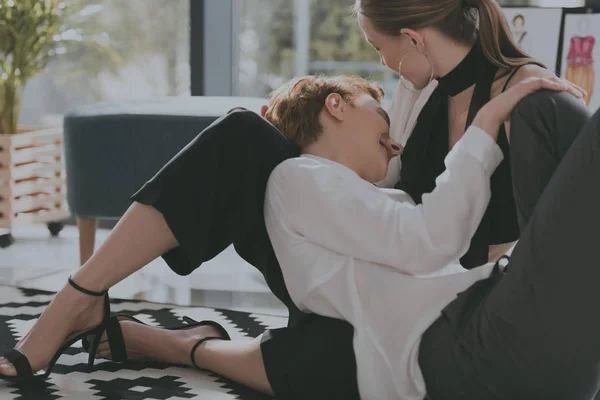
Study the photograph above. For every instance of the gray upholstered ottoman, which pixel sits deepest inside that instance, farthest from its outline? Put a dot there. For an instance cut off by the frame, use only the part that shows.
(112, 149)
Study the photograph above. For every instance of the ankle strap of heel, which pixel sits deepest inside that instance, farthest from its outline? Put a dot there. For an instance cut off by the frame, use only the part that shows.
(85, 291)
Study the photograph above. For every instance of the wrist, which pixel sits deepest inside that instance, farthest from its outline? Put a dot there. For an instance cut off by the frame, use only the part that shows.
(488, 124)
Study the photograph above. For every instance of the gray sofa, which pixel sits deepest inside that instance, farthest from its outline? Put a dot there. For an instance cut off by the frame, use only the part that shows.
(112, 149)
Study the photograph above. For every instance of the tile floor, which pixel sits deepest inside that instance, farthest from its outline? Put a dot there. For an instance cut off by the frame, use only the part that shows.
(37, 260)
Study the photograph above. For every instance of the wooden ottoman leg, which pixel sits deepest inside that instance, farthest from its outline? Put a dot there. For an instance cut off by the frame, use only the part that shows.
(87, 237)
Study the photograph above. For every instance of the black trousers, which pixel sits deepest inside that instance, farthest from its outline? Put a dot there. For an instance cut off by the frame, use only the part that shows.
(533, 332)
(211, 195)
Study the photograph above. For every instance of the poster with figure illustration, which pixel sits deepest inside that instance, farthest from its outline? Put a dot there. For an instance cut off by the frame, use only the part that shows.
(536, 31)
(579, 62)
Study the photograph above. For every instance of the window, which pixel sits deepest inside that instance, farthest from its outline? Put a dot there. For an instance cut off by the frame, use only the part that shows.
(280, 39)
(149, 42)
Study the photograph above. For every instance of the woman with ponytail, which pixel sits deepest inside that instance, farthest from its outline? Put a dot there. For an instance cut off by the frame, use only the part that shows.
(453, 56)
(520, 333)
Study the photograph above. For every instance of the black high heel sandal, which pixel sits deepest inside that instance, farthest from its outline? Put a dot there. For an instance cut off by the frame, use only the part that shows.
(116, 341)
(22, 365)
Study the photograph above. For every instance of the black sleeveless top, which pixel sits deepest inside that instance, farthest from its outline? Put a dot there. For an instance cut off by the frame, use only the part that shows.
(425, 151)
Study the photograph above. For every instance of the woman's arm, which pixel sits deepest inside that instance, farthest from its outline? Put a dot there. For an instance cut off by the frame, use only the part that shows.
(336, 209)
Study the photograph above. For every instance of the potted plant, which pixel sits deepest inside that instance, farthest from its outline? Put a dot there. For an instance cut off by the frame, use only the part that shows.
(32, 34)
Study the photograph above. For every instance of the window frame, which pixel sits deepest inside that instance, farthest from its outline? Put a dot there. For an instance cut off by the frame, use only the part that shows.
(214, 52)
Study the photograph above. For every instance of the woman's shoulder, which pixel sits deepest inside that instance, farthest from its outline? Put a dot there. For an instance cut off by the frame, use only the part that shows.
(510, 77)
(529, 71)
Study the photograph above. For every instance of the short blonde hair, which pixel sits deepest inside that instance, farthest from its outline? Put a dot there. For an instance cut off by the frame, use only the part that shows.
(294, 107)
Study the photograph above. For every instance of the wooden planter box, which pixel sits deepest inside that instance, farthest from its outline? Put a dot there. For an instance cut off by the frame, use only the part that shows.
(32, 179)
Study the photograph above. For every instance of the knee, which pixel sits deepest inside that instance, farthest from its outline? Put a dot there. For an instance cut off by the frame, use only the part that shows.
(548, 119)
(247, 135)
(551, 111)
(251, 127)
(245, 122)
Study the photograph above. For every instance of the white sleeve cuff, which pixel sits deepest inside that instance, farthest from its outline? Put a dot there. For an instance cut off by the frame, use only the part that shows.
(482, 147)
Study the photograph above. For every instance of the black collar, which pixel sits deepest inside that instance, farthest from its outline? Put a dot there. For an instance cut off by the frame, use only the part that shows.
(465, 74)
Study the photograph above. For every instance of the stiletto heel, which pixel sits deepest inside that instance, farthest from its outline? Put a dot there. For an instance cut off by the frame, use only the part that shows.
(92, 354)
(21, 363)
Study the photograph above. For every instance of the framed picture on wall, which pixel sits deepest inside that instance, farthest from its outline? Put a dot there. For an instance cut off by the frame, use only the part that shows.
(580, 52)
(536, 31)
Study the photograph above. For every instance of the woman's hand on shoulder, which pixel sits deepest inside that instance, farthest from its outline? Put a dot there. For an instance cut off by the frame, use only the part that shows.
(498, 110)
(535, 71)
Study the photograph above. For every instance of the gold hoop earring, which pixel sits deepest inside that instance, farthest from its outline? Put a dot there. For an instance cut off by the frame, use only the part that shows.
(402, 60)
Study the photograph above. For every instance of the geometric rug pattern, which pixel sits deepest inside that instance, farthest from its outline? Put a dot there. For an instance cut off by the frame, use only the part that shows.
(20, 308)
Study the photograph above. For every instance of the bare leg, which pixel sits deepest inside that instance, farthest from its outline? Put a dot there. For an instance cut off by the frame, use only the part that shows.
(87, 237)
(239, 360)
(140, 236)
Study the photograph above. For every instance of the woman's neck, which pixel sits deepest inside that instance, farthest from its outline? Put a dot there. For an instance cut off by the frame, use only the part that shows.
(449, 55)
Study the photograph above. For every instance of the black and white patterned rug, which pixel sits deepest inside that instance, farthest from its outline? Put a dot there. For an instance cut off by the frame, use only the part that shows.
(20, 308)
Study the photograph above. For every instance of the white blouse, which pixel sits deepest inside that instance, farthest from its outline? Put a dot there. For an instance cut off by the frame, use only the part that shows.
(370, 256)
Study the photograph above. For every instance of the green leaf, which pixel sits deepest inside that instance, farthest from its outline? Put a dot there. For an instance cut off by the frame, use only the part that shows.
(33, 33)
